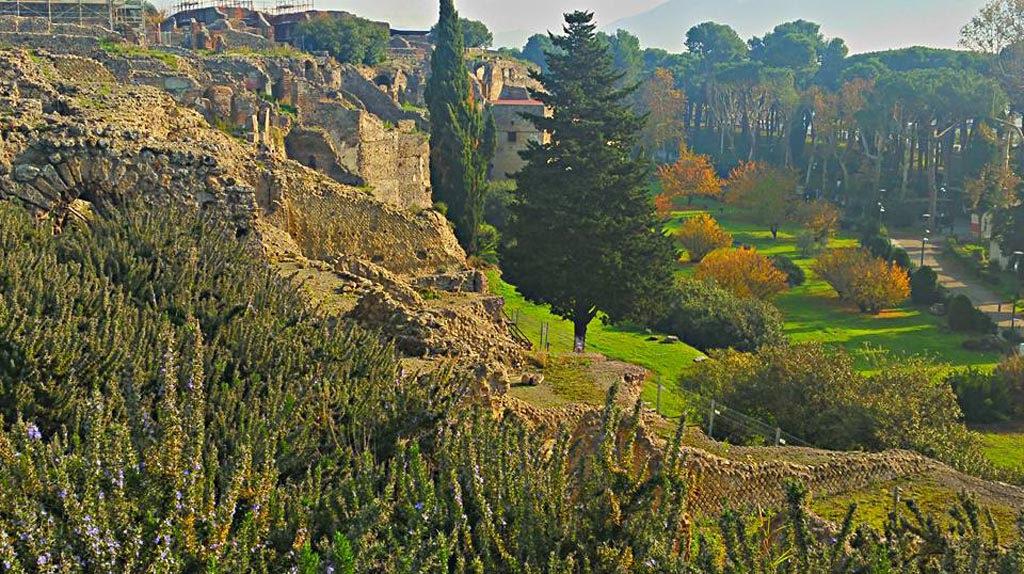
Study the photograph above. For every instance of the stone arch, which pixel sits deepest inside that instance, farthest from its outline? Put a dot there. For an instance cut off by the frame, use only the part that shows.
(56, 175)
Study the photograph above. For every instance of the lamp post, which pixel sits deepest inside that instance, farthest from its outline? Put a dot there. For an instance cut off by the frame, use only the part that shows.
(927, 222)
(1016, 295)
(924, 240)
(881, 212)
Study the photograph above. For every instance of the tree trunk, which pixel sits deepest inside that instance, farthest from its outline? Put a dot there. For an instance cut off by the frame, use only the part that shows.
(579, 332)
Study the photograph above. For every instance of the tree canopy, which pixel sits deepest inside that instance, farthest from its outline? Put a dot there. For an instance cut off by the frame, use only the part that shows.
(475, 34)
(349, 39)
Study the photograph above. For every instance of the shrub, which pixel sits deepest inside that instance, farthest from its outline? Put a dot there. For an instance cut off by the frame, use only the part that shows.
(924, 286)
(707, 316)
(879, 246)
(815, 393)
(983, 397)
(870, 282)
(171, 404)
(964, 317)
(745, 272)
(900, 258)
(809, 244)
(961, 313)
(795, 275)
(701, 235)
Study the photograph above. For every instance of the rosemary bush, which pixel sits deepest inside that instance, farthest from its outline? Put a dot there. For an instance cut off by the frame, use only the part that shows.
(169, 404)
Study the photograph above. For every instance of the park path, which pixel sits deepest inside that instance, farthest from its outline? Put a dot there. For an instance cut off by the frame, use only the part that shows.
(957, 280)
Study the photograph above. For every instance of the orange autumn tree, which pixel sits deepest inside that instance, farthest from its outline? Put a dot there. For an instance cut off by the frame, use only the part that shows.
(820, 217)
(665, 105)
(701, 235)
(871, 283)
(768, 192)
(690, 176)
(745, 272)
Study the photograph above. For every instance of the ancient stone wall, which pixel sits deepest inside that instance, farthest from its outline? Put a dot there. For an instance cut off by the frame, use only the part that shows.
(95, 142)
(395, 162)
(61, 43)
(392, 161)
(327, 219)
(312, 147)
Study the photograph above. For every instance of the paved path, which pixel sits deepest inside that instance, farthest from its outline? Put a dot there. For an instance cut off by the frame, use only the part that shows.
(957, 280)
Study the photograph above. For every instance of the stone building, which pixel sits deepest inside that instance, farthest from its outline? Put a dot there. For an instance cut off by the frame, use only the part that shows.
(513, 131)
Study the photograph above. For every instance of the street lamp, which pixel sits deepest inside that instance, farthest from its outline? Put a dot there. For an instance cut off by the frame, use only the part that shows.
(927, 221)
(1016, 274)
(881, 212)
(924, 240)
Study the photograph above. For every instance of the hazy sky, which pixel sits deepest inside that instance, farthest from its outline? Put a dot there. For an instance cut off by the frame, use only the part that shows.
(499, 15)
(866, 24)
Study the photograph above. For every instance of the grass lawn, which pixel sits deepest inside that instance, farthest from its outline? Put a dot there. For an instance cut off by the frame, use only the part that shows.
(813, 311)
(1005, 447)
(666, 362)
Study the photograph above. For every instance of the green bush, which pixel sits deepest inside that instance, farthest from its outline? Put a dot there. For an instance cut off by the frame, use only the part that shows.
(924, 286)
(879, 246)
(963, 317)
(984, 397)
(810, 244)
(795, 275)
(706, 316)
(349, 39)
(815, 393)
(900, 257)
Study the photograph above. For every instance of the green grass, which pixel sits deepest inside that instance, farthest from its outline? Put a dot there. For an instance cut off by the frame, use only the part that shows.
(666, 362)
(1004, 449)
(813, 311)
(875, 502)
(117, 48)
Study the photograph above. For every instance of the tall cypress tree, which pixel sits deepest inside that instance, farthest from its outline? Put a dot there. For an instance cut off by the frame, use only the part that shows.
(584, 236)
(461, 139)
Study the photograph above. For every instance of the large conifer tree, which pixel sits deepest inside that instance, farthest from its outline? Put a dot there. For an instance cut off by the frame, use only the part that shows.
(461, 138)
(584, 235)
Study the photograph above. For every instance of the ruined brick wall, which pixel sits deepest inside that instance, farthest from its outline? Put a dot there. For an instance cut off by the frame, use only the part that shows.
(366, 95)
(327, 219)
(392, 161)
(395, 162)
(134, 143)
(312, 148)
(62, 43)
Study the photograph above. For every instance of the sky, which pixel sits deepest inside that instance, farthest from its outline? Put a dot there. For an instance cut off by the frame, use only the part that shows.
(503, 17)
(879, 24)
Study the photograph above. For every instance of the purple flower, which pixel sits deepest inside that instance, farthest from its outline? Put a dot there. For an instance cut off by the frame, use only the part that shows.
(33, 432)
(43, 559)
(418, 506)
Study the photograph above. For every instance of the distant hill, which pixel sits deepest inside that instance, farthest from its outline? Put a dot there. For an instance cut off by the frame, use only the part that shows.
(866, 25)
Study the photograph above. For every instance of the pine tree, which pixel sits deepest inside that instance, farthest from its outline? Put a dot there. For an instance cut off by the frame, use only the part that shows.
(461, 138)
(584, 236)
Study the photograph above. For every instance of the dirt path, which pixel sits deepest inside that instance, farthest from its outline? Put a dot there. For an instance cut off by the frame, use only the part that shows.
(957, 281)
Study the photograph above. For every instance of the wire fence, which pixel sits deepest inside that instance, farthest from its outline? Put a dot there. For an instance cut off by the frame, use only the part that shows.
(717, 416)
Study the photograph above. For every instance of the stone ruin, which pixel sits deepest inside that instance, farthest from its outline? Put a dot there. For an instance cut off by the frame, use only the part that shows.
(74, 140)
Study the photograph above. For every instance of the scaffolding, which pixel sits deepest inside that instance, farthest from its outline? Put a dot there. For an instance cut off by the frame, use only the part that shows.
(110, 14)
(268, 6)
